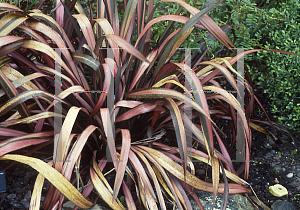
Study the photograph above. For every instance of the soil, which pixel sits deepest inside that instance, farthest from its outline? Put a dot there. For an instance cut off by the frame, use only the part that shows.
(271, 163)
(274, 161)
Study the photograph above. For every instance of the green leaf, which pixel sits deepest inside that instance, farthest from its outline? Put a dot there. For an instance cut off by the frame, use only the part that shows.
(189, 24)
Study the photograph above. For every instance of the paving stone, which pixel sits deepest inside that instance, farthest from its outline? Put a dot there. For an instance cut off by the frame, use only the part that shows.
(283, 205)
(69, 206)
(235, 202)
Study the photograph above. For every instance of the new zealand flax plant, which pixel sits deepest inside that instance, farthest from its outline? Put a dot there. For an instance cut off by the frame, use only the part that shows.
(118, 93)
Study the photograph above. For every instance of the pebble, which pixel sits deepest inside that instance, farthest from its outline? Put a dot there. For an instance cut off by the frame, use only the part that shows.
(271, 141)
(69, 205)
(295, 183)
(268, 155)
(27, 177)
(298, 174)
(25, 203)
(283, 205)
(289, 175)
(11, 196)
(28, 195)
(16, 204)
(268, 146)
(4, 204)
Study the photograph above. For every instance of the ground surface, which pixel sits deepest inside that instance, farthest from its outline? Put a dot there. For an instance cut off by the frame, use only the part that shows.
(271, 163)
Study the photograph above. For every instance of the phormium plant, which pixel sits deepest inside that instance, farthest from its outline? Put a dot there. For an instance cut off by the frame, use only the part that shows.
(101, 90)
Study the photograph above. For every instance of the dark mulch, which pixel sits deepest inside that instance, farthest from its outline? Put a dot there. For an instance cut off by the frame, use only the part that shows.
(273, 161)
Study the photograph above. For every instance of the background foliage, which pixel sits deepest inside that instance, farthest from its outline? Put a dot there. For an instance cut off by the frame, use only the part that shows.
(279, 74)
(271, 25)
(275, 25)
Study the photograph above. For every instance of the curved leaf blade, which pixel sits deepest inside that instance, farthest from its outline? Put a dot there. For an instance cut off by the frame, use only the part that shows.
(58, 180)
(126, 140)
(127, 47)
(9, 22)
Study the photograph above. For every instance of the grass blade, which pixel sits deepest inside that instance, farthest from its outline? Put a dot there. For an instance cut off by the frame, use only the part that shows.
(189, 24)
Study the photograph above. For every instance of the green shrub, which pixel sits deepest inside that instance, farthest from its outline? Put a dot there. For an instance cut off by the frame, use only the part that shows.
(273, 26)
(27, 4)
(280, 75)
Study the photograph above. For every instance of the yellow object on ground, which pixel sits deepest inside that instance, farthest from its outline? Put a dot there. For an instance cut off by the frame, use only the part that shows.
(278, 190)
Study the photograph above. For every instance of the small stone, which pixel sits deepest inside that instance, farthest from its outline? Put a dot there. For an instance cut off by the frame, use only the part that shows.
(235, 202)
(27, 178)
(276, 181)
(11, 196)
(289, 175)
(282, 205)
(271, 140)
(298, 174)
(4, 204)
(25, 203)
(97, 207)
(283, 169)
(68, 205)
(16, 204)
(294, 184)
(268, 155)
(28, 195)
(268, 146)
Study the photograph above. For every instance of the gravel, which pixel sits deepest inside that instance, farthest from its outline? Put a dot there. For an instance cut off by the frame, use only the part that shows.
(275, 165)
